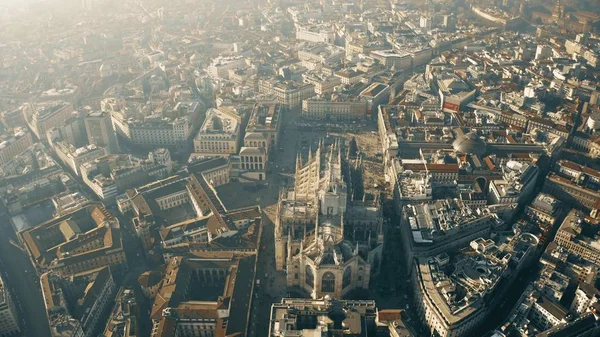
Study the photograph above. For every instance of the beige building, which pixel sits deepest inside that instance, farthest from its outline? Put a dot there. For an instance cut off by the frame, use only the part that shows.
(12, 145)
(335, 107)
(253, 161)
(290, 93)
(219, 135)
(74, 158)
(323, 82)
(570, 236)
(180, 309)
(42, 117)
(9, 322)
(571, 193)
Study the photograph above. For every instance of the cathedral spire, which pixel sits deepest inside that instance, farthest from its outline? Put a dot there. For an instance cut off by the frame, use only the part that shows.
(298, 162)
(355, 252)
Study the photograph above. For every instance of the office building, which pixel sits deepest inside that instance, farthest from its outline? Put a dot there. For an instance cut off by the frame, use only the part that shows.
(42, 117)
(100, 131)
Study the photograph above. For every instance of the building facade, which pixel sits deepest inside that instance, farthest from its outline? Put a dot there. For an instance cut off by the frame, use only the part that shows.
(219, 135)
(100, 131)
(44, 116)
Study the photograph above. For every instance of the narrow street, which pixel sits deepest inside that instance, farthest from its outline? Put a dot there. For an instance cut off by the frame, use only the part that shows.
(22, 282)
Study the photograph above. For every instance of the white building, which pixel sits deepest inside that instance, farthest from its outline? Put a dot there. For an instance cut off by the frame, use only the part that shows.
(220, 66)
(75, 157)
(12, 145)
(41, 117)
(334, 107)
(152, 126)
(517, 185)
(455, 304)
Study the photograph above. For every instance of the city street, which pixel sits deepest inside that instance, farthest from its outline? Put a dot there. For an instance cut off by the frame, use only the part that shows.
(22, 283)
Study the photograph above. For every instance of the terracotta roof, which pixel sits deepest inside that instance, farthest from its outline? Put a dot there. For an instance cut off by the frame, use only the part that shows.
(389, 315)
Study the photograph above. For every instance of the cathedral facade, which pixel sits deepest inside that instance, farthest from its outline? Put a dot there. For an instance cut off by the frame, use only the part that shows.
(328, 242)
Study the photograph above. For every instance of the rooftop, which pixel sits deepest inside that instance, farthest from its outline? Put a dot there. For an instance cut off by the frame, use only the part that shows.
(461, 286)
(219, 122)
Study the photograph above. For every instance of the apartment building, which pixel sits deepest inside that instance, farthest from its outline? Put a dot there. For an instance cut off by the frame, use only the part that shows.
(76, 304)
(41, 117)
(13, 144)
(290, 93)
(75, 157)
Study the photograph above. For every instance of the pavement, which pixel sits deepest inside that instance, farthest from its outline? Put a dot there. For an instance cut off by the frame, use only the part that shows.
(22, 282)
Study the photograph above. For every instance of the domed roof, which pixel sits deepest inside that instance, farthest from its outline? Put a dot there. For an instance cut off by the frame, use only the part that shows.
(470, 143)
